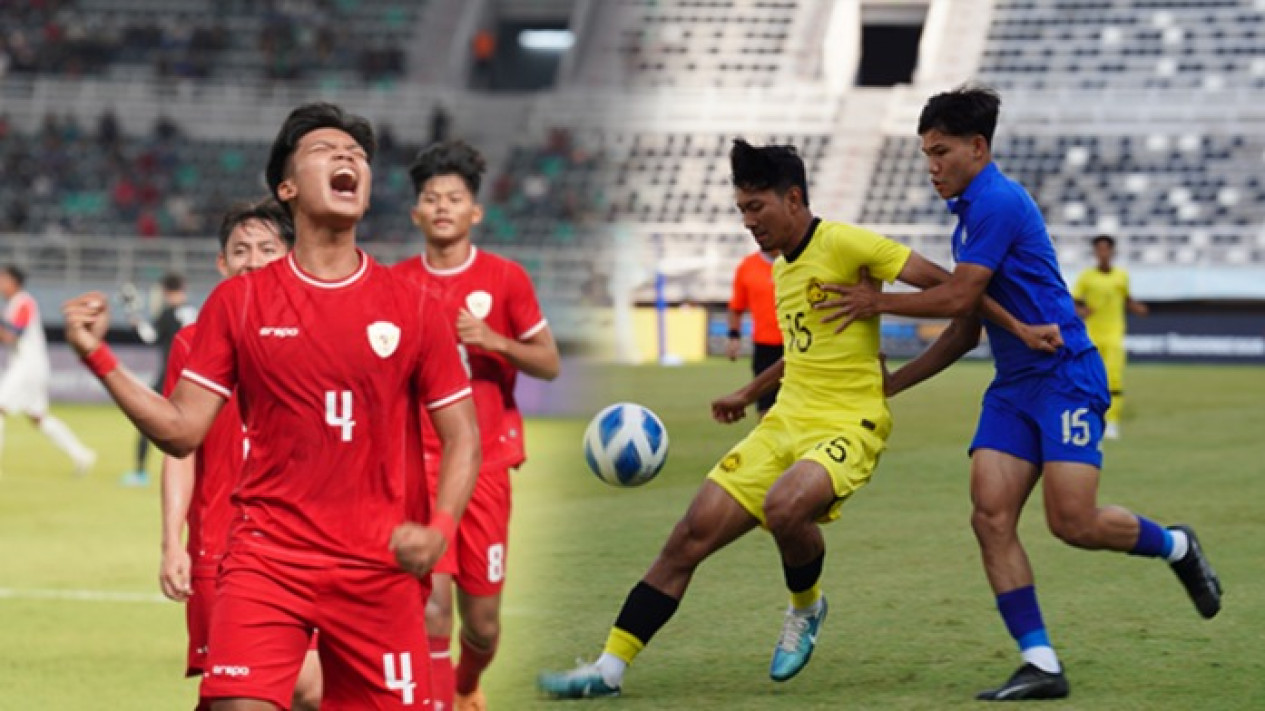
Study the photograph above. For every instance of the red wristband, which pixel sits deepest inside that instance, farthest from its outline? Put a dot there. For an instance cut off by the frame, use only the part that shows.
(101, 361)
(443, 522)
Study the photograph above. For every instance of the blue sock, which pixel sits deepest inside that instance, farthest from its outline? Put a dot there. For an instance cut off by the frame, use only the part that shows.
(1022, 615)
(1154, 541)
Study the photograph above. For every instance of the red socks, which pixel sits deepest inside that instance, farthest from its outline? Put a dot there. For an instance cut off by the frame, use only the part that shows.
(441, 675)
(473, 661)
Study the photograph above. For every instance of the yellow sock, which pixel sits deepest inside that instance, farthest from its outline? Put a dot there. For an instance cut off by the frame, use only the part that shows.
(806, 599)
(1117, 406)
(623, 645)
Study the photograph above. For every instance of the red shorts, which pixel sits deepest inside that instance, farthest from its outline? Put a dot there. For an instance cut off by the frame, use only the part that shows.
(372, 641)
(197, 615)
(478, 557)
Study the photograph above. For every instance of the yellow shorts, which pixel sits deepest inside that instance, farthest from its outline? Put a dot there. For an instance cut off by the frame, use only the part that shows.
(849, 451)
(1113, 358)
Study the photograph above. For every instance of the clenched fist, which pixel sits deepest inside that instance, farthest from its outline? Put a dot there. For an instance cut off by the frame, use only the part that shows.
(87, 320)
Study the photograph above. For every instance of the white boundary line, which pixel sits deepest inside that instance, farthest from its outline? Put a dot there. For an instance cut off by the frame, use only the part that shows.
(78, 595)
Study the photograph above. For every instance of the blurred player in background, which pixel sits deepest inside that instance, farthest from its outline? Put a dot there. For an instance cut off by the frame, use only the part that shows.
(1042, 415)
(331, 356)
(196, 488)
(816, 447)
(24, 385)
(753, 291)
(492, 303)
(1102, 298)
(176, 313)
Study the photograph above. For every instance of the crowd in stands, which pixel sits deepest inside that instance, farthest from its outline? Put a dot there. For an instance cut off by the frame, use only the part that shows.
(69, 179)
(274, 39)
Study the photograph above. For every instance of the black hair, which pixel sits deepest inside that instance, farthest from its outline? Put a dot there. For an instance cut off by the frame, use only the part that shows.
(777, 168)
(302, 121)
(963, 112)
(16, 273)
(448, 158)
(267, 210)
(1111, 241)
(173, 282)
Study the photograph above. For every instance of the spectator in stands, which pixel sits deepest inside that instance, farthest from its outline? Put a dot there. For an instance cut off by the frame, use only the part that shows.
(440, 122)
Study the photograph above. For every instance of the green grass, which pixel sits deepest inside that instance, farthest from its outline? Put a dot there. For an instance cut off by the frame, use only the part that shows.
(912, 623)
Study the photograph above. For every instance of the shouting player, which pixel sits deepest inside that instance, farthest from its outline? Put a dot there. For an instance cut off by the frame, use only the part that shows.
(196, 488)
(1042, 415)
(493, 305)
(1102, 298)
(24, 385)
(816, 447)
(332, 357)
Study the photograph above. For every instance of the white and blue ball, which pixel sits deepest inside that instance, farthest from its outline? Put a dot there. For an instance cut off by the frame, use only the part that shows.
(626, 445)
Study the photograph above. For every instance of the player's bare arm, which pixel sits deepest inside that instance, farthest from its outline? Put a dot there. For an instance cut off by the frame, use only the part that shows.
(733, 344)
(176, 425)
(417, 548)
(960, 338)
(9, 333)
(927, 275)
(175, 572)
(1137, 308)
(733, 407)
(536, 355)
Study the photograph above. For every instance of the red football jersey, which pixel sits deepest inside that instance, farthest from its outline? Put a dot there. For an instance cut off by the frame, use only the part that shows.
(216, 465)
(500, 292)
(330, 377)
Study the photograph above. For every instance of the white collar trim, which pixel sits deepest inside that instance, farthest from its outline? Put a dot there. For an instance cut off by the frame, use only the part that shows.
(320, 284)
(474, 252)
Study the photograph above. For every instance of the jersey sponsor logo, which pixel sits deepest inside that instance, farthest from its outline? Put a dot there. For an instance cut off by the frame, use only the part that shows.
(479, 303)
(816, 294)
(384, 338)
(229, 670)
(279, 331)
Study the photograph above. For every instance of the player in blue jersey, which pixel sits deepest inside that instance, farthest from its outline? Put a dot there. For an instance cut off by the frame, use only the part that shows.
(1042, 416)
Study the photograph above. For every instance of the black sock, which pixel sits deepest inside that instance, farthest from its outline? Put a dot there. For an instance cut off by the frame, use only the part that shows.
(646, 610)
(803, 577)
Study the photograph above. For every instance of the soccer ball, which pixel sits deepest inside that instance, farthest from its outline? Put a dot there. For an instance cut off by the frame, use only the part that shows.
(626, 445)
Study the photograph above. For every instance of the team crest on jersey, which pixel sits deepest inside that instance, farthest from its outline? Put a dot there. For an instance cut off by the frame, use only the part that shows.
(731, 462)
(479, 303)
(384, 338)
(816, 294)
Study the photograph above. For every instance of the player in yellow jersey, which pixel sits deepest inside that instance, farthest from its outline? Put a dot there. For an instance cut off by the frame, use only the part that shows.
(818, 444)
(1102, 297)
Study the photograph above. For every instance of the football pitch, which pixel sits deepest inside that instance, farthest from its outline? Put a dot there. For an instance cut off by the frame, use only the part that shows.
(912, 624)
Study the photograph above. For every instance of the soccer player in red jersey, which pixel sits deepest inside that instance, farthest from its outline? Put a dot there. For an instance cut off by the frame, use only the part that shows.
(332, 357)
(491, 301)
(195, 489)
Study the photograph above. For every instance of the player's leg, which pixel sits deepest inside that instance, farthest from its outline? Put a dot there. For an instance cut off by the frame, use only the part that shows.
(1113, 356)
(482, 562)
(802, 496)
(439, 628)
(60, 434)
(1071, 505)
(1072, 427)
(373, 641)
(479, 638)
(307, 690)
(714, 519)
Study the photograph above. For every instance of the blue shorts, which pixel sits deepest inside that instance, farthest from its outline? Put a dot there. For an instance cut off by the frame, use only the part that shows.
(1055, 417)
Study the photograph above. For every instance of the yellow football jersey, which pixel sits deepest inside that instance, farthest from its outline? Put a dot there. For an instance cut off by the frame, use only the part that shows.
(1106, 294)
(828, 373)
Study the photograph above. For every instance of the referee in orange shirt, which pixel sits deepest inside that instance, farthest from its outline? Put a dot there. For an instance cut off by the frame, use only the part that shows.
(753, 291)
